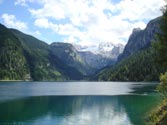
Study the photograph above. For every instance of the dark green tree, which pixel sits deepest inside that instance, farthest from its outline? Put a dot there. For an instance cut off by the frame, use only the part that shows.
(161, 51)
(163, 85)
(161, 44)
(159, 117)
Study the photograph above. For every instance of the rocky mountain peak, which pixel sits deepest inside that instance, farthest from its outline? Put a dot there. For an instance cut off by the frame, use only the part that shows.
(105, 49)
(136, 30)
(140, 39)
(110, 50)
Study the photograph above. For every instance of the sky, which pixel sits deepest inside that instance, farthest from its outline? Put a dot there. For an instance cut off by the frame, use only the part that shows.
(82, 22)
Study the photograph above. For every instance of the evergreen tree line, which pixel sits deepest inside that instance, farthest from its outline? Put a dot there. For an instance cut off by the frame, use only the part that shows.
(140, 66)
(159, 116)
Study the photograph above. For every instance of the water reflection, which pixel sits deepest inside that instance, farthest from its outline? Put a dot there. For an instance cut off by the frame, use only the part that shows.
(77, 110)
(16, 90)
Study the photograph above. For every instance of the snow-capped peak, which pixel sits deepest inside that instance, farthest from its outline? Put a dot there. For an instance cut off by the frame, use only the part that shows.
(105, 46)
(106, 49)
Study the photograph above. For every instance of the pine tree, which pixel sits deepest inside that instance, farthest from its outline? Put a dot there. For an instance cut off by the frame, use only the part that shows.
(161, 50)
(159, 117)
(161, 45)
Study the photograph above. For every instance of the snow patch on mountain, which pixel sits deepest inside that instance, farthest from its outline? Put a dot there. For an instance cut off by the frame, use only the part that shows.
(105, 49)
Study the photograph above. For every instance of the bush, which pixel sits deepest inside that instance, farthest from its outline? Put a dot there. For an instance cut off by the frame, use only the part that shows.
(162, 88)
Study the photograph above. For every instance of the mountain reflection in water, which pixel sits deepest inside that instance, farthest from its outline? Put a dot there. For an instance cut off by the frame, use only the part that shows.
(77, 110)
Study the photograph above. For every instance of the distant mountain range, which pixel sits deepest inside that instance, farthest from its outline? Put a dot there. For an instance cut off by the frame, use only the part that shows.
(105, 49)
(110, 50)
(24, 57)
(105, 54)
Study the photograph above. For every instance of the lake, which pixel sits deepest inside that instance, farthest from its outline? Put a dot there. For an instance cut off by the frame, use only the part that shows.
(76, 103)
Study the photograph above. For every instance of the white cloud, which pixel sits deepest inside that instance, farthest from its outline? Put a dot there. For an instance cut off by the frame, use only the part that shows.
(90, 22)
(25, 2)
(71, 39)
(43, 23)
(20, 2)
(52, 8)
(37, 33)
(62, 29)
(139, 9)
(12, 22)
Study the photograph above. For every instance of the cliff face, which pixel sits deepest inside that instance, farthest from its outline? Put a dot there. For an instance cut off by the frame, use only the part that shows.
(137, 62)
(96, 61)
(140, 39)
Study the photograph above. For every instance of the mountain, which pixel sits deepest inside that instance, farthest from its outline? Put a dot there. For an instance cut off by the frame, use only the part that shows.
(96, 61)
(110, 50)
(43, 62)
(137, 62)
(23, 57)
(140, 39)
(68, 54)
(81, 48)
(13, 63)
(105, 49)
(84, 61)
(105, 54)
(140, 66)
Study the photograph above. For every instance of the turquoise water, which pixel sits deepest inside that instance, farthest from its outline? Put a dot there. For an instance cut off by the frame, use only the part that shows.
(76, 103)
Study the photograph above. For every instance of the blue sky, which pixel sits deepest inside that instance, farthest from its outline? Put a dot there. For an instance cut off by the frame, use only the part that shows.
(83, 22)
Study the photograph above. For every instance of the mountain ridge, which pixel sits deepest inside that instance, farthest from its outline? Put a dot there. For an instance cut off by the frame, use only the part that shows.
(57, 61)
(140, 39)
(70, 56)
(137, 62)
(40, 63)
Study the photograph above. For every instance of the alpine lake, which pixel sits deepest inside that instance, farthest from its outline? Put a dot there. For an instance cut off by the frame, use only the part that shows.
(77, 103)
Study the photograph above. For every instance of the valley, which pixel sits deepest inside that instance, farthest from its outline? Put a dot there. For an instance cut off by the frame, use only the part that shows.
(83, 62)
(60, 61)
